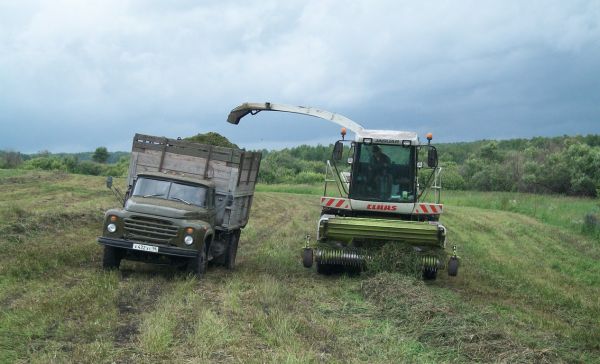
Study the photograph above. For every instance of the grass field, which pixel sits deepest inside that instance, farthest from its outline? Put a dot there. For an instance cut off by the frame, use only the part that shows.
(528, 289)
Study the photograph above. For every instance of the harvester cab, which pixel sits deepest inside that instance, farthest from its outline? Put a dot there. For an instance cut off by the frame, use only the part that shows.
(376, 195)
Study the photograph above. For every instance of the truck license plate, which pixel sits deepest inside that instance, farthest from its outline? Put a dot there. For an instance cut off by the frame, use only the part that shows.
(146, 248)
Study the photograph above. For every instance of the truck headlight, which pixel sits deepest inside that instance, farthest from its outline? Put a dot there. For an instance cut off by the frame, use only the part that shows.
(111, 228)
(188, 240)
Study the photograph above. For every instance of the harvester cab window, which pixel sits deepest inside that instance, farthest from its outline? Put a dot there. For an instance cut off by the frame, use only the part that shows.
(383, 173)
(188, 194)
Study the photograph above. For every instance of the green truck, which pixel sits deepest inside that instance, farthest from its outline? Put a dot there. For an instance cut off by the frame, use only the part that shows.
(185, 204)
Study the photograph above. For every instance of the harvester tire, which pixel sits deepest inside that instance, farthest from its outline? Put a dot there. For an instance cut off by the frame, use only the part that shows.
(430, 273)
(307, 257)
(112, 257)
(453, 267)
(324, 269)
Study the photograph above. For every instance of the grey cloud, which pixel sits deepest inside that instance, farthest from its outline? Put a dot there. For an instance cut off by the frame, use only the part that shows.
(75, 75)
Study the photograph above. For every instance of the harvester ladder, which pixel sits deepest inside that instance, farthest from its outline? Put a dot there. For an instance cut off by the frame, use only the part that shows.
(437, 185)
(330, 176)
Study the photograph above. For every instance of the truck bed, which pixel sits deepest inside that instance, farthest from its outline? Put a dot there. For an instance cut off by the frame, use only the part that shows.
(233, 171)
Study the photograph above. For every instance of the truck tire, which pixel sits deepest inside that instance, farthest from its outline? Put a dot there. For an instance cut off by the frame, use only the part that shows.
(197, 265)
(232, 247)
(112, 257)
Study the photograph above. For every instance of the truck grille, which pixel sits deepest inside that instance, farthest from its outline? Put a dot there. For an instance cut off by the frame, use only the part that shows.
(149, 229)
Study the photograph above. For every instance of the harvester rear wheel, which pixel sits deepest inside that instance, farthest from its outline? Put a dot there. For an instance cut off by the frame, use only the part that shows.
(453, 267)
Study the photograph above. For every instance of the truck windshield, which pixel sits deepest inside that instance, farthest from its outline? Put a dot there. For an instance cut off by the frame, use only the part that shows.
(383, 173)
(188, 194)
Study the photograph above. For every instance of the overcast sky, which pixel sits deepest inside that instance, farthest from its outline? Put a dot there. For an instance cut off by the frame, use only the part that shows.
(75, 75)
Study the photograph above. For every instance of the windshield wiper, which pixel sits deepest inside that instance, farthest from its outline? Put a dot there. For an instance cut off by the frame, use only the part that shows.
(182, 200)
(153, 195)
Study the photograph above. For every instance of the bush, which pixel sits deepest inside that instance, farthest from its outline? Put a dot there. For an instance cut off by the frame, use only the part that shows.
(591, 224)
(10, 159)
(90, 168)
(308, 178)
(451, 177)
(47, 163)
(583, 186)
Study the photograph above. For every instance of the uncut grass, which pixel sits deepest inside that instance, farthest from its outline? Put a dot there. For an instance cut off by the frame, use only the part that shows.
(540, 278)
(560, 211)
(578, 214)
(271, 309)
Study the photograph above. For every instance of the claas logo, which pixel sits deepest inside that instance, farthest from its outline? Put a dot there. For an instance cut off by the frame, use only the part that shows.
(381, 207)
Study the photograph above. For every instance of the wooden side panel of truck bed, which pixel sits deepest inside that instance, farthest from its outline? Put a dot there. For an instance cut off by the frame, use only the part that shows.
(233, 171)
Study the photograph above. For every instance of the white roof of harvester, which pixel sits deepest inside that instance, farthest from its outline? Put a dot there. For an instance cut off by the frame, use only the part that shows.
(386, 136)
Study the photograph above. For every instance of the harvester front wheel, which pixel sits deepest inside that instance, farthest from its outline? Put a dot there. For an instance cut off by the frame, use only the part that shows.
(307, 257)
(453, 267)
(430, 273)
(325, 269)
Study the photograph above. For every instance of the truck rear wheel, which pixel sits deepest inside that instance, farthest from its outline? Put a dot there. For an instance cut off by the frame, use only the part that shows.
(232, 247)
(112, 257)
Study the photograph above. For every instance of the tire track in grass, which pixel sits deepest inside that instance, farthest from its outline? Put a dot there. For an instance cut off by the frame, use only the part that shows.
(138, 293)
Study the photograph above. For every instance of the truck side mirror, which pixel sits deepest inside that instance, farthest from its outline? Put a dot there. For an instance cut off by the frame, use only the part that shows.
(109, 182)
(338, 151)
(432, 158)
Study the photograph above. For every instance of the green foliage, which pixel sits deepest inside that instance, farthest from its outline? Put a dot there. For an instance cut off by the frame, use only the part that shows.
(71, 164)
(46, 163)
(561, 165)
(10, 159)
(212, 138)
(299, 165)
(451, 177)
(90, 168)
(566, 165)
(100, 155)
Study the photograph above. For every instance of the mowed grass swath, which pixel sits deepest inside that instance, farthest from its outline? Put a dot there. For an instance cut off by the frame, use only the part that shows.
(528, 290)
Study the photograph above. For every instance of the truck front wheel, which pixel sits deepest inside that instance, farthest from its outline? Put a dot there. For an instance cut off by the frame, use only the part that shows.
(112, 257)
(198, 264)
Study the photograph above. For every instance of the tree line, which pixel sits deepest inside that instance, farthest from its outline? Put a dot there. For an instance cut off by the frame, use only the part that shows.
(101, 162)
(564, 165)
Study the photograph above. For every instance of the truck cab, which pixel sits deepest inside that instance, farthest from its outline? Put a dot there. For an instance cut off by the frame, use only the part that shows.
(170, 214)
